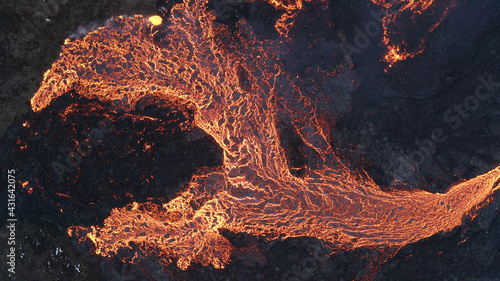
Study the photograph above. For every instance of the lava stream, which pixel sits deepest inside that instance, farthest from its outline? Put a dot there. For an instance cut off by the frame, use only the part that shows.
(399, 15)
(241, 91)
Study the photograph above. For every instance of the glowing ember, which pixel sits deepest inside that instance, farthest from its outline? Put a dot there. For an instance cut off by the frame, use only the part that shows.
(156, 20)
(241, 91)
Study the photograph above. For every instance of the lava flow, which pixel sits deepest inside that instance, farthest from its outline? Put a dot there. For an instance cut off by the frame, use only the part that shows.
(401, 14)
(241, 90)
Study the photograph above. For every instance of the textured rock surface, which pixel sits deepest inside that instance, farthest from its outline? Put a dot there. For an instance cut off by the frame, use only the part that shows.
(393, 114)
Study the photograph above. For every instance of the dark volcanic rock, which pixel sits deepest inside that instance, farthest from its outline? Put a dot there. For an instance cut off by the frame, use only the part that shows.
(78, 159)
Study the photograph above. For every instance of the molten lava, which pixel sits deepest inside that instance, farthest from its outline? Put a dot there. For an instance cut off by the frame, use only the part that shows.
(400, 15)
(241, 91)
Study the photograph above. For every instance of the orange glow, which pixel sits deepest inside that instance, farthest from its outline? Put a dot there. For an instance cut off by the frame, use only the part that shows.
(409, 12)
(287, 5)
(24, 184)
(284, 23)
(239, 97)
(63, 195)
(394, 54)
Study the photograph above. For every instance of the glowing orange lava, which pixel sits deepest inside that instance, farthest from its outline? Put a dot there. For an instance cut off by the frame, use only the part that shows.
(399, 15)
(241, 91)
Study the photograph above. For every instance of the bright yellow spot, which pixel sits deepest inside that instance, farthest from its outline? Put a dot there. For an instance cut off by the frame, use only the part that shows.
(155, 20)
